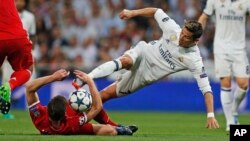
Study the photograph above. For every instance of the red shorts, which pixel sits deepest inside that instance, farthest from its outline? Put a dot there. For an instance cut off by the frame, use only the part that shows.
(18, 53)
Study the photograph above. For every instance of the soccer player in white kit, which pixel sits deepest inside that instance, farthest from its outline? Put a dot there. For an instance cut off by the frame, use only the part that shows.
(230, 52)
(146, 63)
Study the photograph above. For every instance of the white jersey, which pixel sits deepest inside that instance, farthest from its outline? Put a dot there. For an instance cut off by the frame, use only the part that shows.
(157, 59)
(29, 23)
(230, 25)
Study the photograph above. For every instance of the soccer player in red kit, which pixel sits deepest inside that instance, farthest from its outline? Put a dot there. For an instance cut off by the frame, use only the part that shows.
(59, 118)
(16, 46)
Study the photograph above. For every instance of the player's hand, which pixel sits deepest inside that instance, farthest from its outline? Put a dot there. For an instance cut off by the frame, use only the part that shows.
(60, 74)
(82, 76)
(212, 123)
(126, 14)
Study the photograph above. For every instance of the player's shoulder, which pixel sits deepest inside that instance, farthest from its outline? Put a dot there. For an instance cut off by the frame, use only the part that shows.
(193, 55)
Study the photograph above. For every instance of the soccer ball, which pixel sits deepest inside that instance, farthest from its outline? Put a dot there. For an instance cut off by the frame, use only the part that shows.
(80, 100)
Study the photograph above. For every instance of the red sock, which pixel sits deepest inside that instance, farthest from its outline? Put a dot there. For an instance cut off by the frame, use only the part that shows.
(103, 118)
(18, 78)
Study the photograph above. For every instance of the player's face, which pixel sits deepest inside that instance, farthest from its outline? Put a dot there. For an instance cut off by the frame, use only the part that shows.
(20, 4)
(186, 38)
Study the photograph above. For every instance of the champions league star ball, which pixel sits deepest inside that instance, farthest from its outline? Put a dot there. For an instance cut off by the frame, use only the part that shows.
(80, 100)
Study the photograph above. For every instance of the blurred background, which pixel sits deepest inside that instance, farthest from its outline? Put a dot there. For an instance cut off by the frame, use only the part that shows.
(82, 34)
(85, 33)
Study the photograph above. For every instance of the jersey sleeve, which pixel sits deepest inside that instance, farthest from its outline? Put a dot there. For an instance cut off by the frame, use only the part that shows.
(199, 73)
(164, 21)
(38, 114)
(210, 7)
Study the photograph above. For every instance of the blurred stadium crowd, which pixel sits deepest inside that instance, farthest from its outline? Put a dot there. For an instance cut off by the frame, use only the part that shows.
(84, 33)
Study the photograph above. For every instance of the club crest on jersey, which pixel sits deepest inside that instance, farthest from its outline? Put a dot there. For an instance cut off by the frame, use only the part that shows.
(81, 120)
(173, 37)
(181, 59)
(240, 7)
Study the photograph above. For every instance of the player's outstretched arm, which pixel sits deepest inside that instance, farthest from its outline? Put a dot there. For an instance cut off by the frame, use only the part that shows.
(97, 102)
(211, 121)
(146, 12)
(33, 86)
(203, 20)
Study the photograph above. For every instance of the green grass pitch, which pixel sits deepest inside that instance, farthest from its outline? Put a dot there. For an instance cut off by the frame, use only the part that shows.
(153, 126)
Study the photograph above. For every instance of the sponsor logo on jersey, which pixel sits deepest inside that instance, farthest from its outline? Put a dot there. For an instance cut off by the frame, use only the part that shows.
(165, 19)
(231, 17)
(167, 56)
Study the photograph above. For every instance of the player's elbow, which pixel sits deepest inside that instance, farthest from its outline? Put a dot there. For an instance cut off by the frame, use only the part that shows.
(29, 87)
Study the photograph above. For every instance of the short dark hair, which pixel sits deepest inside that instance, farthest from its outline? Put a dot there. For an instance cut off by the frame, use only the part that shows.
(195, 27)
(56, 108)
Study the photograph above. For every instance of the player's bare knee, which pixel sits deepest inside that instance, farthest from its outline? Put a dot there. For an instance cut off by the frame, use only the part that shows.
(127, 62)
(225, 82)
(243, 85)
(111, 130)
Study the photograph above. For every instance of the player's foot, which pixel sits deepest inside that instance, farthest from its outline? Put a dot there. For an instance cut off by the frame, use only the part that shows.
(8, 116)
(122, 130)
(77, 83)
(5, 98)
(133, 128)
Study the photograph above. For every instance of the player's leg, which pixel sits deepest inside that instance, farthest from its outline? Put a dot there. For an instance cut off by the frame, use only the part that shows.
(241, 71)
(239, 95)
(20, 59)
(226, 99)
(124, 84)
(101, 129)
(4, 96)
(6, 73)
(223, 71)
(124, 62)
(108, 93)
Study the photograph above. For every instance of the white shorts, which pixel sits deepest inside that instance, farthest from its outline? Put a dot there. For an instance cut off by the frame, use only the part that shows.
(236, 65)
(129, 82)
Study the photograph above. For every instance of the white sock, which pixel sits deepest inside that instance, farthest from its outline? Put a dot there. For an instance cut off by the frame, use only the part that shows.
(106, 69)
(226, 102)
(239, 95)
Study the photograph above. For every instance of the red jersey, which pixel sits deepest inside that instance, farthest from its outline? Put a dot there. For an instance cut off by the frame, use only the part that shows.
(11, 26)
(72, 124)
